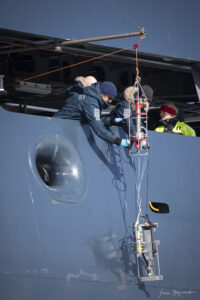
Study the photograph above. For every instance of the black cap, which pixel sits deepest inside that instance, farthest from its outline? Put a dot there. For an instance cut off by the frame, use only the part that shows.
(148, 92)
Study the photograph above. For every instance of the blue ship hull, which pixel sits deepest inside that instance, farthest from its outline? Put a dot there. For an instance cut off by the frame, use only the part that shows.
(68, 236)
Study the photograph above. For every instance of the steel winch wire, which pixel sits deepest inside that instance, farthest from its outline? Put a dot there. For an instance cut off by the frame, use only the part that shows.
(145, 166)
(76, 64)
(140, 176)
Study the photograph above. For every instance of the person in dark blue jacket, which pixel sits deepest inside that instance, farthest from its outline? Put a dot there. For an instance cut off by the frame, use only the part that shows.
(75, 90)
(87, 107)
(124, 112)
(125, 108)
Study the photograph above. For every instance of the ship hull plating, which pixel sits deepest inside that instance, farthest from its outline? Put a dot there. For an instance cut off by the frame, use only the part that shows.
(68, 203)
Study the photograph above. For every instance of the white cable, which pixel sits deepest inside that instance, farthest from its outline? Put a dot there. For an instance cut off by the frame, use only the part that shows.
(139, 184)
(140, 172)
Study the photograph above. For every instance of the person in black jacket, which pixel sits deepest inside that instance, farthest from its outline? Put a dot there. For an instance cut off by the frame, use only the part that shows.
(124, 112)
(125, 108)
(172, 122)
(87, 105)
(75, 90)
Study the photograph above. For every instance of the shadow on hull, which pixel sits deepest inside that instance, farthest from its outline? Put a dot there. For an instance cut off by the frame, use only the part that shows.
(68, 202)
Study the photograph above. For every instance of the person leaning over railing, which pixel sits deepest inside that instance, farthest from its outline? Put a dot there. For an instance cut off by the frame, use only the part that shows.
(87, 105)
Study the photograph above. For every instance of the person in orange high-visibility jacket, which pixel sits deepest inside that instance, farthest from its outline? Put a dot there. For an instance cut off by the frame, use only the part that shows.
(171, 123)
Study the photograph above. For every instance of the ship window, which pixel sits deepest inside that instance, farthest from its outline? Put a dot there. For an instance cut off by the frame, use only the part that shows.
(54, 64)
(25, 63)
(60, 168)
(98, 73)
(124, 78)
(66, 72)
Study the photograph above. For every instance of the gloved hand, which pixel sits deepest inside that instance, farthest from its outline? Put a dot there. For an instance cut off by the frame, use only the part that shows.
(125, 143)
(117, 120)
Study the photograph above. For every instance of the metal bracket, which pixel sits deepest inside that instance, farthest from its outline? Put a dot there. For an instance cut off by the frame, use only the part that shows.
(2, 91)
